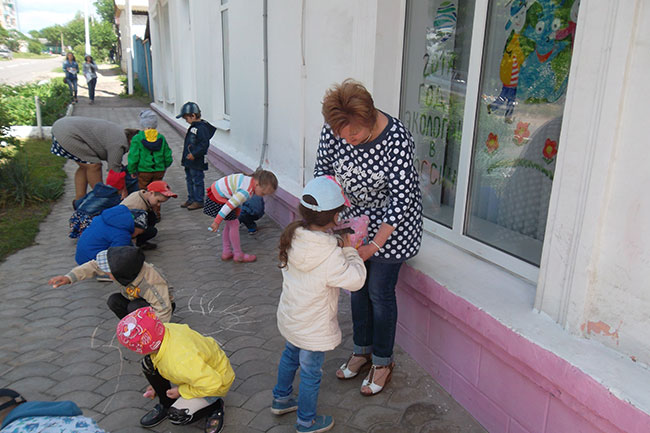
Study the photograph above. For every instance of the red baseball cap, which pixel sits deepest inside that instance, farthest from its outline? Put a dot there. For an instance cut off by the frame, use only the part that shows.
(162, 187)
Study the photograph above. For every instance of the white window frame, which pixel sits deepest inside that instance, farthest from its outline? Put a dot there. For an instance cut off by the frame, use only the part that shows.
(456, 235)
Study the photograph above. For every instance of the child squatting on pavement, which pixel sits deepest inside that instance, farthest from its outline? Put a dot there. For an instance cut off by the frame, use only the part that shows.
(314, 267)
(139, 282)
(176, 353)
(225, 197)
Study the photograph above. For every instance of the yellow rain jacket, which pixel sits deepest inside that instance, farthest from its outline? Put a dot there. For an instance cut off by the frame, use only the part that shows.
(193, 362)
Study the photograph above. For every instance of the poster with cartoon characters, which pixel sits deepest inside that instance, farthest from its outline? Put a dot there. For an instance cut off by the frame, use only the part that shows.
(524, 79)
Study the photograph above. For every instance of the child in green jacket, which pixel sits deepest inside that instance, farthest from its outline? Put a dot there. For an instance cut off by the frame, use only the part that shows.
(149, 155)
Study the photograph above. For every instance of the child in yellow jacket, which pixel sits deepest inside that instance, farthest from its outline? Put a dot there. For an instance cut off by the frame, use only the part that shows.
(175, 353)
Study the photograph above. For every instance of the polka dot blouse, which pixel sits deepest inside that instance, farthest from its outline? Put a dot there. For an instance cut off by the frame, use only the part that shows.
(380, 180)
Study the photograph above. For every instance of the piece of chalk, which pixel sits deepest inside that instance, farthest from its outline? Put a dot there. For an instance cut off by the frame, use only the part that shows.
(209, 229)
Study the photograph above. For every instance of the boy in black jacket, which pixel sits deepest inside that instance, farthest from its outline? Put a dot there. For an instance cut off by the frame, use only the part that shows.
(197, 142)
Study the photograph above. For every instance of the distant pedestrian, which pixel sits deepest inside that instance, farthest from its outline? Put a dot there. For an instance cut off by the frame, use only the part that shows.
(88, 141)
(140, 283)
(90, 72)
(225, 196)
(195, 147)
(71, 69)
(175, 353)
(314, 266)
(149, 153)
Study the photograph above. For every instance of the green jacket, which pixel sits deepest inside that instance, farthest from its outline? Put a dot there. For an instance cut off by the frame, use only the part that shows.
(147, 156)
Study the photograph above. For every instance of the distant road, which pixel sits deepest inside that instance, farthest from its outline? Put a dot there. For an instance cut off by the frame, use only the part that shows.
(27, 70)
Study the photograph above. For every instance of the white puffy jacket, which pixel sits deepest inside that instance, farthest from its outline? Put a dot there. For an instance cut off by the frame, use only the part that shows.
(316, 269)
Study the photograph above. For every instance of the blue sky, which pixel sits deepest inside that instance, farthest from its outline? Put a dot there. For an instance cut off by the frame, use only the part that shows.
(37, 14)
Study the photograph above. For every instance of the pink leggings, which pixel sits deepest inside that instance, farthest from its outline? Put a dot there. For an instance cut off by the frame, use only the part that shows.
(230, 237)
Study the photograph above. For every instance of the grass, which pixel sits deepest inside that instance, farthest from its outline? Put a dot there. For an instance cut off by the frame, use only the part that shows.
(31, 56)
(138, 91)
(19, 223)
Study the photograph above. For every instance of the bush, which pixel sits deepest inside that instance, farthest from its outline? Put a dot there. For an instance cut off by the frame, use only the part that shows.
(35, 47)
(19, 105)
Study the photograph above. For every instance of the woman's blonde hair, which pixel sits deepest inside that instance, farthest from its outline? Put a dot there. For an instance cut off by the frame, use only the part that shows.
(348, 102)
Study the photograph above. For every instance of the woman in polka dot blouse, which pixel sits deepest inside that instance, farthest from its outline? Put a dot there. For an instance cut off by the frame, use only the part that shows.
(371, 155)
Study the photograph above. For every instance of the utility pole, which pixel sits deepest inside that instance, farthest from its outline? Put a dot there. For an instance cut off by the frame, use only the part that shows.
(87, 29)
(62, 50)
(129, 50)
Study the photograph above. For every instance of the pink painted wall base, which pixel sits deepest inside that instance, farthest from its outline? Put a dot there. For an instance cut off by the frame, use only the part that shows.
(508, 383)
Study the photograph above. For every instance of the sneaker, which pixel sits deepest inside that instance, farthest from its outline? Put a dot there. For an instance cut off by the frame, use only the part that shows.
(252, 231)
(244, 258)
(186, 204)
(281, 407)
(148, 246)
(179, 416)
(320, 424)
(154, 417)
(195, 205)
(214, 422)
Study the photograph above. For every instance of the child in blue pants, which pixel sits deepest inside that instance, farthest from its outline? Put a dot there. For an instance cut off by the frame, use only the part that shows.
(315, 264)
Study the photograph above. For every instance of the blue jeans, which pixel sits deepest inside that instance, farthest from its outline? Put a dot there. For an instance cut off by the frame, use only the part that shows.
(72, 85)
(374, 312)
(195, 187)
(310, 364)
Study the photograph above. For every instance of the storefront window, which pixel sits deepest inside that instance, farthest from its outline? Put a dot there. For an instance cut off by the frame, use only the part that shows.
(434, 86)
(493, 187)
(524, 78)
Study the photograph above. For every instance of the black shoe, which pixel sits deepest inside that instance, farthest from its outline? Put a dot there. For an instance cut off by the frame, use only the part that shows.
(148, 246)
(179, 416)
(154, 417)
(214, 422)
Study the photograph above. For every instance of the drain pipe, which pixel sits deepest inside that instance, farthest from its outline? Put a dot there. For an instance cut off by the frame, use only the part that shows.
(265, 32)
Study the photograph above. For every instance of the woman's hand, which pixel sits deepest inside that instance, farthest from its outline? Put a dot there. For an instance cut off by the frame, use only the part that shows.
(366, 251)
(173, 392)
(59, 281)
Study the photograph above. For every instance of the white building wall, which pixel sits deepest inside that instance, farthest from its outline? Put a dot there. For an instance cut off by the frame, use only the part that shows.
(618, 311)
(315, 44)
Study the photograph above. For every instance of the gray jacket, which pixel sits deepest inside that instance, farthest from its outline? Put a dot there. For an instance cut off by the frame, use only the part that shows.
(92, 140)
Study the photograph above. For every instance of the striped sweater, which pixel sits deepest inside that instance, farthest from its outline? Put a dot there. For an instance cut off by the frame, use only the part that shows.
(232, 191)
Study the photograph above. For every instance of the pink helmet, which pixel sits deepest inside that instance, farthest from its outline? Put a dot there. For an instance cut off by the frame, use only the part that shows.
(141, 331)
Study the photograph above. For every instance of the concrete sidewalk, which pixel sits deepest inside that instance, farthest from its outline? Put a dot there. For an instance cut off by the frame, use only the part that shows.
(58, 344)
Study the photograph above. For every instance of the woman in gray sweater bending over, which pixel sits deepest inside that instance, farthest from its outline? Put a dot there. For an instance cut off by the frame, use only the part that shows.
(89, 141)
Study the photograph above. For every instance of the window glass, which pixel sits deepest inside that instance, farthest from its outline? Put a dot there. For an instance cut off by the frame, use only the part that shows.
(525, 71)
(437, 46)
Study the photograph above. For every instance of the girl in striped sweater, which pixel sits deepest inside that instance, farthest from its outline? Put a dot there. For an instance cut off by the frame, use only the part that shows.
(224, 198)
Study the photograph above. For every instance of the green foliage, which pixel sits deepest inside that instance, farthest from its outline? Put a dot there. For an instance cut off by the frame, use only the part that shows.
(13, 44)
(31, 178)
(33, 174)
(52, 34)
(34, 34)
(4, 34)
(102, 38)
(35, 47)
(19, 105)
(105, 10)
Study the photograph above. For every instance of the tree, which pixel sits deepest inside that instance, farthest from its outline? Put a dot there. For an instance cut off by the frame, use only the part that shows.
(52, 34)
(34, 34)
(35, 47)
(105, 10)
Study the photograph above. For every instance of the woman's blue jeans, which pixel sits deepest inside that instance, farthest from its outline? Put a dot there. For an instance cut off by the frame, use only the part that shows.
(374, 312)
(72, 85)
(310, 364)
(195, 186)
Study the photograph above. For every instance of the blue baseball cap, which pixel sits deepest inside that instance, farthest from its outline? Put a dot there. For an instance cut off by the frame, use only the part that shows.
(327, 192)
(189, 108)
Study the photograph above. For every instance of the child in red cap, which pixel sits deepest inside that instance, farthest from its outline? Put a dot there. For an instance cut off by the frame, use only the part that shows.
(174, 352)
(149, 200)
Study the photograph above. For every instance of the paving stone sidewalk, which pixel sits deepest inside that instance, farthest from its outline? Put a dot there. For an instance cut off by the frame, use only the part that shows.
(59, 344)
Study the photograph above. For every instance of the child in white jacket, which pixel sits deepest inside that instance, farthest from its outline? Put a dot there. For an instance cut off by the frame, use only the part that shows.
(315, 264)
